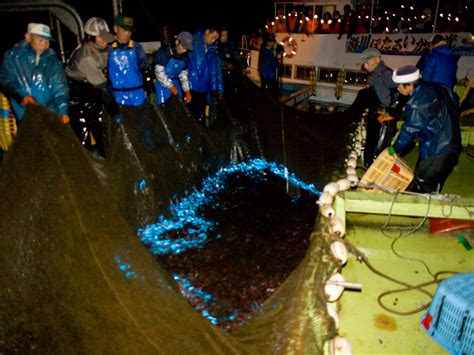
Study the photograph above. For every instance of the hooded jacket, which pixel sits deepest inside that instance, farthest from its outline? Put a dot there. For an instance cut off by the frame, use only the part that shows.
(431, 117)
(204, 66)
(440, 66)
(23, 73)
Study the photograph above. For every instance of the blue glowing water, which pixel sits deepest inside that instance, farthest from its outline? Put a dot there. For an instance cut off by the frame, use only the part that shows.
(186, 214)
(188, 217)
(205, 301)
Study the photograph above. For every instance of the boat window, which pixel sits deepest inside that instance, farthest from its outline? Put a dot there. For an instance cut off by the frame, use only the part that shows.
(287, 70)
(356, 77)
(328, 75)
(303, 72)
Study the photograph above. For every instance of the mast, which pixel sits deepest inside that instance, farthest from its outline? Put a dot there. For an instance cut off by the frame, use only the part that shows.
(436, 17)
(117, 7)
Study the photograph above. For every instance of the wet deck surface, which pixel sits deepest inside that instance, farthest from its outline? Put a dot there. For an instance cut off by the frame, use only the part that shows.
(372, 329)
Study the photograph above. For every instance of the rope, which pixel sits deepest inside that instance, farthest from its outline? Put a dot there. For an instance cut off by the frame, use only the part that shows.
(407, 287)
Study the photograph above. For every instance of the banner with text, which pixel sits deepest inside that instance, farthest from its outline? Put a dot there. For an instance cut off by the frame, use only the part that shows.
(405, 43)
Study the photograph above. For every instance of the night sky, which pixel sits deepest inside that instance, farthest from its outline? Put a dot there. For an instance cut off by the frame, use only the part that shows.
(242, 17)
(238, 16)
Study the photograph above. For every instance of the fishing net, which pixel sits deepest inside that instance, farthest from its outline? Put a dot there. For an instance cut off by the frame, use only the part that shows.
(75, 276)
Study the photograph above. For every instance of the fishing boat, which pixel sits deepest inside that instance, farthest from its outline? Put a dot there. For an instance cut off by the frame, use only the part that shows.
(77, 278)
(324, 66)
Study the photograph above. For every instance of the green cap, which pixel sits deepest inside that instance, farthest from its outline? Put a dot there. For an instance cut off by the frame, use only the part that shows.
(124, 22)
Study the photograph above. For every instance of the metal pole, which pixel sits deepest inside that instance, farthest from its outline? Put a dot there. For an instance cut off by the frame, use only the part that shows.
(60, 41)
(436, 16)
(371, 17)
(117, 7)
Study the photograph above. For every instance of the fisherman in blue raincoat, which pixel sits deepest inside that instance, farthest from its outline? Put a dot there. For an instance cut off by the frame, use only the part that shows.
(431, 117)
(171, 69)
(205, 72)
(32, 73)
(128, 67)
(440, 66)
(269, 59)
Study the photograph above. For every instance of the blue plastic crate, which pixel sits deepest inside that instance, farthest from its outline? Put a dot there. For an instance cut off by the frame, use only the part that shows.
(450, 317)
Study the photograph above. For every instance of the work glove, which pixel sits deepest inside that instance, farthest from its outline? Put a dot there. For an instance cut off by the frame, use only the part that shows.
(64, 119)
(118, 118)
(173, 90)
(384, 116)
(188, 97)
(28, 100)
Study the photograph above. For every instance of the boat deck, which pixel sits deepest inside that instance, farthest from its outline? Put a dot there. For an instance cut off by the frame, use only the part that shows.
(370, 328)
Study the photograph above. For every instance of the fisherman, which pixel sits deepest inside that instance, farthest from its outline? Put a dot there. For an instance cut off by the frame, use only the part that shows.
(171, 69)
(440, 65)
(348, 25)
(381, 125)
(128, 67)
(270, 57)
(432, 118)
(130, 74)
(86, 70)
(31, 73)
(205, 74)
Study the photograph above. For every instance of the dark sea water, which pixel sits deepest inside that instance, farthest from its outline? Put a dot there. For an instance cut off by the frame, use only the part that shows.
(257, 234)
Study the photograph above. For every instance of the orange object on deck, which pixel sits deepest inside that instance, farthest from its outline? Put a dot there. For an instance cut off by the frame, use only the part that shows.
(441, 225)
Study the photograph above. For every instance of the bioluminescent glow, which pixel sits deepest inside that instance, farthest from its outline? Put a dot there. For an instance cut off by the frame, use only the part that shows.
(204, 301)
(126, 268)
(185, 213)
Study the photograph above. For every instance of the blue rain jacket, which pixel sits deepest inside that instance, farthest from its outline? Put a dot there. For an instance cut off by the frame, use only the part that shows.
(170, 69)
(205, 70)
(431, 117)
(46, 81)
(126, 63)
(268, 62)
(440, 66)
